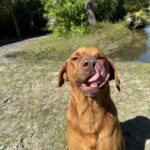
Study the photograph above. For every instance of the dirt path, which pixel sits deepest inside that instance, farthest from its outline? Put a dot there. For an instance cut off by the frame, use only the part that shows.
(14, 46)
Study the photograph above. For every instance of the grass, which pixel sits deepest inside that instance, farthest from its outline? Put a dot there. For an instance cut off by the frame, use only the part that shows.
(33, 108)
(106, 36)
(29, 109)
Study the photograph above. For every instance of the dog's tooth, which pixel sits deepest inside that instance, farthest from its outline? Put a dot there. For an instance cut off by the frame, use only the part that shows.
(83, 84)
(102, 73)
(94, 85)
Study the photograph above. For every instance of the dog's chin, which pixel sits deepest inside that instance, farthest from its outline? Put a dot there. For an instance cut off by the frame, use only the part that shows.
(89, 91)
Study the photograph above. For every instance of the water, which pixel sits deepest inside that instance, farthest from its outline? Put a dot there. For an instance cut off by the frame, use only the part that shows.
(137, 50)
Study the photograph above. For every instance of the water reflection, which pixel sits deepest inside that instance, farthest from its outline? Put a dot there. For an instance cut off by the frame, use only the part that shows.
(145, 57)
(137, 50)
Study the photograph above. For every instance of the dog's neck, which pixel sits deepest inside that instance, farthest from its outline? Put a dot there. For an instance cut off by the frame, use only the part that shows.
(100, 100)
(87, 113)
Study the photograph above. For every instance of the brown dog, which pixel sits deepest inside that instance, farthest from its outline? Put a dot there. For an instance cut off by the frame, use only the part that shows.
(92, 122)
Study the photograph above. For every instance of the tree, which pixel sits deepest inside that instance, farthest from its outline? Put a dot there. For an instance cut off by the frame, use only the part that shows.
(107, 10)
(69, 15)
(10, 7)
(22, 16)
(90, 12)
(9, 4)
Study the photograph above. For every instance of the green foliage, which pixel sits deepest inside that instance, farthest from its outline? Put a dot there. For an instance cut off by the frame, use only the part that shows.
(138, 14)
(141, 14)
(66, 17)
(135, 5)
(69, 15)
(110, 10)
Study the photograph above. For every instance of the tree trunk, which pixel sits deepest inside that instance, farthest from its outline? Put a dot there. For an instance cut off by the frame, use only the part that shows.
(90, 12)
(14, 20)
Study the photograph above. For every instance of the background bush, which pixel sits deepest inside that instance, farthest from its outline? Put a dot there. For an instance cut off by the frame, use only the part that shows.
(135, 5)
(69, 15)
(109, 10)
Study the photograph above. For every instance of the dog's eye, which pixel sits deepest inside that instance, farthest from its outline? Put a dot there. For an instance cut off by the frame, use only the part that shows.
(74, 58)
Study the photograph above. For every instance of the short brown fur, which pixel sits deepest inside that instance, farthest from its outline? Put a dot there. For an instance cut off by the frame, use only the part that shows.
(92, 122)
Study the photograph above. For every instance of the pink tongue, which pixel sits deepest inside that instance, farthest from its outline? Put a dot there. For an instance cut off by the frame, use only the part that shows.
(97, 74)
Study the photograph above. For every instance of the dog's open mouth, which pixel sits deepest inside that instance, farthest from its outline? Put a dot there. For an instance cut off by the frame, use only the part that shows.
(95, 82)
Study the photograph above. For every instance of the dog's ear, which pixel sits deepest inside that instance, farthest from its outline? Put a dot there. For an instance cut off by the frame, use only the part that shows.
(113, 73)
(62, 74)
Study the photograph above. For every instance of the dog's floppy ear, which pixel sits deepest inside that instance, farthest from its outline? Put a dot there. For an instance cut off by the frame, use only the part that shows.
(62, 74)
(113, 73)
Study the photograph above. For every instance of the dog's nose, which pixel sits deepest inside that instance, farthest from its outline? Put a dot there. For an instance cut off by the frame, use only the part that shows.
(89, 63)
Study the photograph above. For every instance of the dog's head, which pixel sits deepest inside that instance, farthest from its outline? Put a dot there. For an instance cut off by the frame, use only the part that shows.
(89, 70)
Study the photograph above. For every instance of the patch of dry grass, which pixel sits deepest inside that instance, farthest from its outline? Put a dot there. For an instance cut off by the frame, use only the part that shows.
(32, 115)
(133, 104)
(33, 108)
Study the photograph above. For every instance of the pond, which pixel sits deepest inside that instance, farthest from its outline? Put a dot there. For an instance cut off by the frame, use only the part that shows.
(137, 50)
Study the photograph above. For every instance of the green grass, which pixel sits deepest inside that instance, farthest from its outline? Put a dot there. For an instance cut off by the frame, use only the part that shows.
(106, 36)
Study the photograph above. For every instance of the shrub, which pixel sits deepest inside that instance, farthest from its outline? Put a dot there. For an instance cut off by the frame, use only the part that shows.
(109, 10)
(71, 18)
(140, 15)
(69, 15)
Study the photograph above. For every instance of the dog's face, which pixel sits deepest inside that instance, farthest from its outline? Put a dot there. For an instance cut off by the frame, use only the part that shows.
(89, 70)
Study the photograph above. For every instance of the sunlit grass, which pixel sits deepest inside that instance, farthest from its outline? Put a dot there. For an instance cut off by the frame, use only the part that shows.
(33, 108)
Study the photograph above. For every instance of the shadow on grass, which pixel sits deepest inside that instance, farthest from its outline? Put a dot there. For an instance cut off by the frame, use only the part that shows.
(6, 41)
(136, 131)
